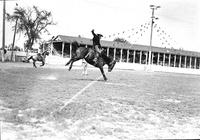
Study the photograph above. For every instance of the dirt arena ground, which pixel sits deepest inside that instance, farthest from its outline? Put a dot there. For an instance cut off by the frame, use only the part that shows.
(55, 104)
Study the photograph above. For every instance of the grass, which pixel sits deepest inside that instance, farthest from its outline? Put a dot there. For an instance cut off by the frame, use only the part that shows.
(130, 105)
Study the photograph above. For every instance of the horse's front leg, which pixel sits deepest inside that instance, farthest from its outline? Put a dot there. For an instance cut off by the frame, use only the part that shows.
(102, 72)
(34, 64)
(42, 64)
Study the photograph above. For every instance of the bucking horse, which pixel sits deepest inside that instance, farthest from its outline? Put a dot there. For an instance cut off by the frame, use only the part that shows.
(80, 52)
(39, 57)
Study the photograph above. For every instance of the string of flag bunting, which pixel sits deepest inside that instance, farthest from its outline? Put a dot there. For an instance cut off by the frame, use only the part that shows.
(138, 34)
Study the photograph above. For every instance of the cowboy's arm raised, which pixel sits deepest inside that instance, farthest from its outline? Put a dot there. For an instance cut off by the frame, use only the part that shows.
(93, 33)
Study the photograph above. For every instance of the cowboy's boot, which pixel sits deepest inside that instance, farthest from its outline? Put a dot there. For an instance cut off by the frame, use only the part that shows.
(95, 60)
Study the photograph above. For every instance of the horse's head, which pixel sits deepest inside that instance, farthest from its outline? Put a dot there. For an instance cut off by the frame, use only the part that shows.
(45, 53)
(75, 44)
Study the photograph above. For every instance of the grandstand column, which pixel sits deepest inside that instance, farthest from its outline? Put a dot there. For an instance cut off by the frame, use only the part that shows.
(190, 62)
(63, 46)
(108, 51)
(134, 52)
(169, 60)
(195, 62)
(114, 53)
(185, 61)
(180, 61)
(146, 57)
(152, 56)
(174, 60)
(163, 59)
(158, 59)
(121, 51)
(70, 53)
(140, 57)
(127, 56)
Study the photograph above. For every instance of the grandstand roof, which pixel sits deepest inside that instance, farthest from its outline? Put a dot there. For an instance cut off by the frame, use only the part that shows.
(113, 44)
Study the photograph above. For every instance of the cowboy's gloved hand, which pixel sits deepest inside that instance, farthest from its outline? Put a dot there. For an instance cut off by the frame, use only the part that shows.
(92, 30)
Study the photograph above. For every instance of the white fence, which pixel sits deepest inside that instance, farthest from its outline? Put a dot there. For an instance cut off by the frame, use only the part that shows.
(18, 56)
(56, 60)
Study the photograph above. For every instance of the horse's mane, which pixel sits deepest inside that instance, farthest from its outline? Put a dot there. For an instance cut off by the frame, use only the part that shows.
(44, 52)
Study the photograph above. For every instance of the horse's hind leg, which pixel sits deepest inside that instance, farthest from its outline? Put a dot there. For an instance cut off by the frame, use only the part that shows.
(102, 72)
(68, 62)
(70, 67)
(72, 61)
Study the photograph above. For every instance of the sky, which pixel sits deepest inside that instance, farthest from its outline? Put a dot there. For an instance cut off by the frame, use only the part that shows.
(178, 25)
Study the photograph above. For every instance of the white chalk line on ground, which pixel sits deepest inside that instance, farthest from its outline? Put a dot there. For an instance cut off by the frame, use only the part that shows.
(79, 93)
(120, 84)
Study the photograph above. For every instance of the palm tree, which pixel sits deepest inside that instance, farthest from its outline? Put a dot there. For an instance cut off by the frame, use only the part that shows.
(32, 22)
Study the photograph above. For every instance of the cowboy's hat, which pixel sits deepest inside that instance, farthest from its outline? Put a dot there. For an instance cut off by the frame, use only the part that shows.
(99, 35)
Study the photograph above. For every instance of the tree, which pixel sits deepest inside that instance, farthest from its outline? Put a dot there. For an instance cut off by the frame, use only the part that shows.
(121, 40)
(32, 22)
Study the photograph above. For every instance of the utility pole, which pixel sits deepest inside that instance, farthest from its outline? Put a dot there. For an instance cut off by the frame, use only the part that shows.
(13, 44)
(3, 31)
(153, 7)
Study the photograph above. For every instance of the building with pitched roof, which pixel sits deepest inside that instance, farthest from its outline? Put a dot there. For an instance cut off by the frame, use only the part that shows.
(128, 54)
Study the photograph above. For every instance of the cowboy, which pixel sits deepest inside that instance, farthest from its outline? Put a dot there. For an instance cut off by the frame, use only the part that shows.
(96, 45)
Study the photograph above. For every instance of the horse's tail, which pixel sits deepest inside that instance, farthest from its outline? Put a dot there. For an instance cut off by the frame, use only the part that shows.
(106, 58)
(27, 59)
(31, 57)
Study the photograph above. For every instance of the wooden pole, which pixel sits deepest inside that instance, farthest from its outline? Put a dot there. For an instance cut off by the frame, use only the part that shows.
(3, 31)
